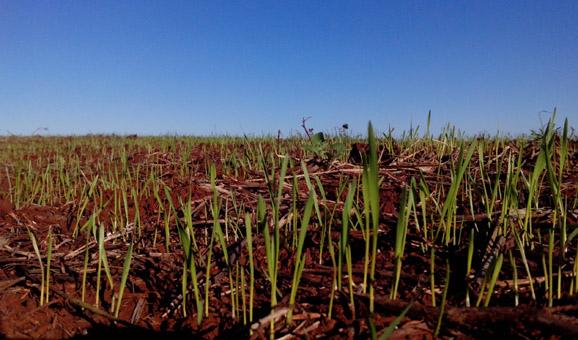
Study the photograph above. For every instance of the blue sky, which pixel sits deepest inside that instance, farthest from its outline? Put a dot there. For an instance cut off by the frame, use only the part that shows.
(210, 67)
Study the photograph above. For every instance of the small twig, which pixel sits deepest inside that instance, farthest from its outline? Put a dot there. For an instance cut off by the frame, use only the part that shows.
(91, 244)
(304, 126)
(137, 312)
(9, 283)
(220, 189)
(313, 326)
(275, 315)
(91, 308)
(526, 282)
(306, 316)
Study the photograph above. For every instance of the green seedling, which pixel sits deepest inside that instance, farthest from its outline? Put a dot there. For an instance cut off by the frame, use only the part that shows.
(371, 199)
(42, 273)
(406, 203)
(299, 256)
(124, 277)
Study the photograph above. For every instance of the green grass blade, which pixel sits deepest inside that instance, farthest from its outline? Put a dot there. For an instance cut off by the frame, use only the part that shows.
(123, 279)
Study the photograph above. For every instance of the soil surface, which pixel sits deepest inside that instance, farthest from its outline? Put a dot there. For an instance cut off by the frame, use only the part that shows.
(152, 301)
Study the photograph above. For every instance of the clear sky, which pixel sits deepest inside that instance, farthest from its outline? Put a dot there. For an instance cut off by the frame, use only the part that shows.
(209, 67)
